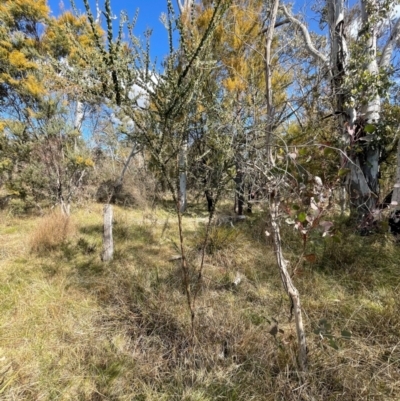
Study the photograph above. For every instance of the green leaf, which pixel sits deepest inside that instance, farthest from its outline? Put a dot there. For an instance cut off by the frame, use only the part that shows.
(302, 217)
(295, 207)
(346, 334)
(343, 171)
(333, 344)
(329, 151)
(370, 128)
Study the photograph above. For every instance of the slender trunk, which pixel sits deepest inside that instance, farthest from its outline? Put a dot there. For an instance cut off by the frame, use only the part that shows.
(108, 244)
(183, 176)
(210, 200)
(79, 115)
(274, 204)
(126, 165)
(268, 81)
(185, 272)
(396, 189)
(288, 284)
(342, 199)
(250, 197)
(65, 207)
(239, 192)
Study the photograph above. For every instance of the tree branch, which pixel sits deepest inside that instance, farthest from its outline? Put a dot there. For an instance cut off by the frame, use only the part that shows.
(180, 6)
(311, 49)
(278, 24)
(389, 46)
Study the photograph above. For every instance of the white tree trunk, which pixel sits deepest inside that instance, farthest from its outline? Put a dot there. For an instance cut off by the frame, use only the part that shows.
(396, 189)
(339, 60)
(269, 35)
(65, 208)
(387, 51)
(79, 115)
(108, 244)
(363, 180)
(371, 110)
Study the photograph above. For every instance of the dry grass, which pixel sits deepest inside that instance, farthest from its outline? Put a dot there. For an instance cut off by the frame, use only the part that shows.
(73, 328)
(51, 231)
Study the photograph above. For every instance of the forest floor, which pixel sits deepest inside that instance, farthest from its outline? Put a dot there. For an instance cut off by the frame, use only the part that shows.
(75, 328)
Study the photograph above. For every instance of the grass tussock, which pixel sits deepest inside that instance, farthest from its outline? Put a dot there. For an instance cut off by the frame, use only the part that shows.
(73, 328)
(51, 231)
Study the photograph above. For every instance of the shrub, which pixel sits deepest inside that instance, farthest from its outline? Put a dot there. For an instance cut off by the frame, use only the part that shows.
(219, 238)
(52, 231)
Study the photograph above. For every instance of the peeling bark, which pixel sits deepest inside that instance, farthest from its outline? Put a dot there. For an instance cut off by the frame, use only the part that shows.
(363, 180)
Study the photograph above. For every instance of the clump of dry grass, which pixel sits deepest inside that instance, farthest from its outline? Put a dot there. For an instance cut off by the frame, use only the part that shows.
(51, 231)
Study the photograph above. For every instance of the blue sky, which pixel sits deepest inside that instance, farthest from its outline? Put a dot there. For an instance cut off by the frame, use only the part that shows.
(149, 17)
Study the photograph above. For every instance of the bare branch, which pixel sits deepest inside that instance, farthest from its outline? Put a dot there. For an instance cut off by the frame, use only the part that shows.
(278, 24)
(180, 5)
(184, 5)
(311, 49)
(389, 46)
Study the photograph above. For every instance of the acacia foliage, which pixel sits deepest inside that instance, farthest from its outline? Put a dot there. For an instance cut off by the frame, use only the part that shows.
(40, 159)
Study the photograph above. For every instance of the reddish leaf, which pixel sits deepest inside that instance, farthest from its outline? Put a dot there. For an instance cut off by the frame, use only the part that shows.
(311, 257)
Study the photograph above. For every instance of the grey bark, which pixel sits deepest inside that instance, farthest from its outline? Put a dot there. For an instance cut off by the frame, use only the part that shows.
(396, 190)
(387, 51)
(183, 176)
(108, 244)
(274, 204)
(239, 191)
(269, 35)
(363, 180)
(79, 115)
(288, 284)
(306, 35)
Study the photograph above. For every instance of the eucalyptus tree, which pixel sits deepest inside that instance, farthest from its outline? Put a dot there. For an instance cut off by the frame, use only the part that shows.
(358, 71)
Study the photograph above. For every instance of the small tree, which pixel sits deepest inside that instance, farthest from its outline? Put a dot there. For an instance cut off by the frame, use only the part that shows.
(164, 111)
